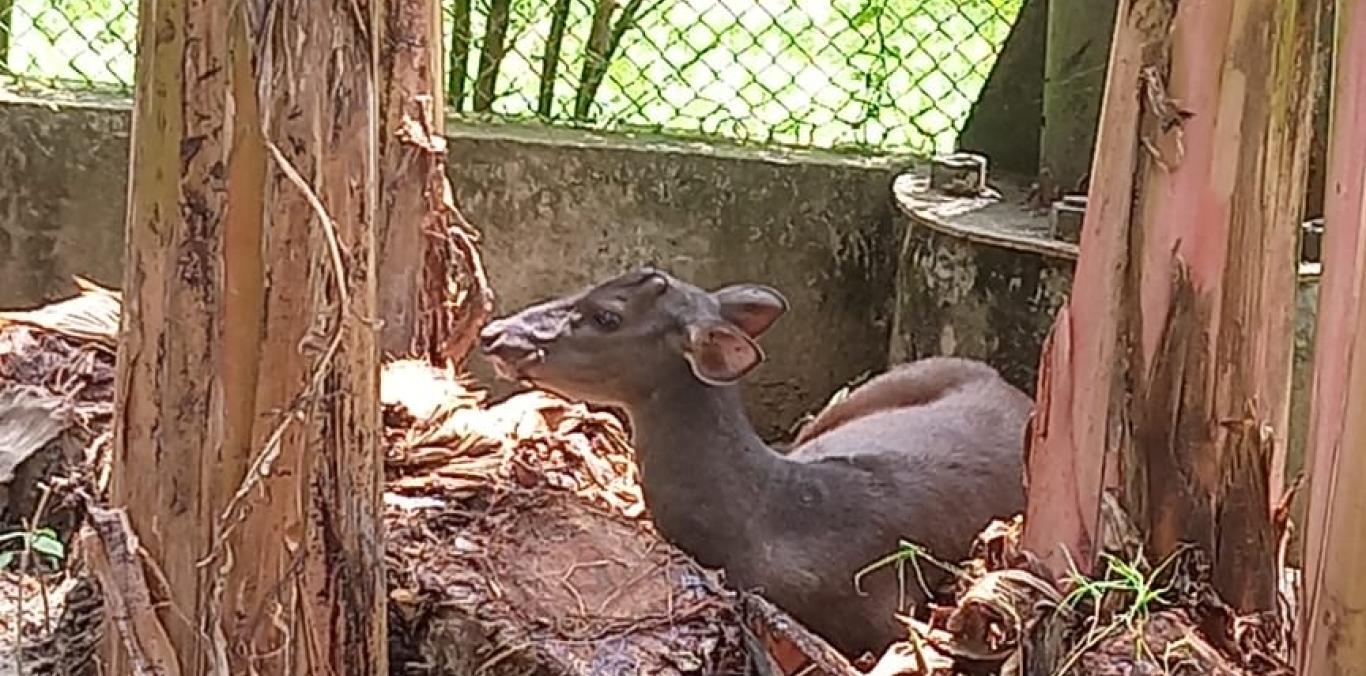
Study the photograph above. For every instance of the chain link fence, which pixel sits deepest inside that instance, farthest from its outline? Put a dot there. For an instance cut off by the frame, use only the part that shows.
(866, 74)
(68, 44)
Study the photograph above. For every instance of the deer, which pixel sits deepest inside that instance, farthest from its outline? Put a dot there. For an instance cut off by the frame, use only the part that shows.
(930, 451)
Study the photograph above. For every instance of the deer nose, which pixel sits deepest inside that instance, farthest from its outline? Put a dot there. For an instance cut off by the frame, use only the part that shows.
(491, 335)
(502, 339)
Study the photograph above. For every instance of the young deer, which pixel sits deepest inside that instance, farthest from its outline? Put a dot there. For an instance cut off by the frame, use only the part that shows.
(929, 452)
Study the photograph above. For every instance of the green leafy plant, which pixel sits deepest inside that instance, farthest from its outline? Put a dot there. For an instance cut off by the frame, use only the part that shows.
(906, 552)
(1121, 577)
(42, 541)
(1125, 578)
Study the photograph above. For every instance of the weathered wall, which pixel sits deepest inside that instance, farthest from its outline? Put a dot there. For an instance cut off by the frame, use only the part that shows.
(1075, 67)
(959, 297)
(968, 298)
(1004, 123)
(62, 183)
(557, 209)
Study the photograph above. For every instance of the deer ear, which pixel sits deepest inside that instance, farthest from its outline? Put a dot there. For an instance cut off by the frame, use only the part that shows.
(752, 307)
(720, 354)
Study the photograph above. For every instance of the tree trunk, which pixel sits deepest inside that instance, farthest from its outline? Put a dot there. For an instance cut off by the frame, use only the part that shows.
(1334, 628)
(603, 39)
(246, 436)
(1166, 378)
(457, 79)
(432, 292)
(491, 55)
(550, 61)
(6, 33)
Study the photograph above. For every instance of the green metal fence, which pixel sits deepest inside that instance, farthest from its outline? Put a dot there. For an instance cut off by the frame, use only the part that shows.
(872, 74)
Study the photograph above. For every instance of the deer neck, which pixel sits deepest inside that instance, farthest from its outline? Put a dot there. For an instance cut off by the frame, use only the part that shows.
(702, 466)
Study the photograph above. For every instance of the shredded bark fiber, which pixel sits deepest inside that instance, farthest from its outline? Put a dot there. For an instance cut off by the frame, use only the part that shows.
(518, 540)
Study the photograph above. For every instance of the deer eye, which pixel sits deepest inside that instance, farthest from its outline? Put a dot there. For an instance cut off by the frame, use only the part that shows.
(607, 320)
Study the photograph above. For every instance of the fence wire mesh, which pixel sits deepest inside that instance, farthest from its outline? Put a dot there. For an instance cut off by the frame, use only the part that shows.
(870, 74)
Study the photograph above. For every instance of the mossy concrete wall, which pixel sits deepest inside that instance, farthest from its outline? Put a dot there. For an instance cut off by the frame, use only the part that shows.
(961, 297)
(557, 209)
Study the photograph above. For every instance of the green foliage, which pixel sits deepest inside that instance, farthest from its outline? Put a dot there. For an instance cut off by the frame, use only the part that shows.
(43, 542)
(907, 553)
(1127, 581)
(870, 74)
(1121, 577)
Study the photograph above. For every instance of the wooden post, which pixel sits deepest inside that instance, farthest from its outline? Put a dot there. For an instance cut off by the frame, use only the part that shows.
(1333, 627)
(1166, 378)
(246, 440)
(1077, 49)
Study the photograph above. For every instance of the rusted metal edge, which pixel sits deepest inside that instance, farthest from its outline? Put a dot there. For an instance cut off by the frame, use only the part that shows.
(915, 201)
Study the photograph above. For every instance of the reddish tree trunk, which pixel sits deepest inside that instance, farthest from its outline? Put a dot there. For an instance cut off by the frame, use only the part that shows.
(1333, 626)
(1166, 378)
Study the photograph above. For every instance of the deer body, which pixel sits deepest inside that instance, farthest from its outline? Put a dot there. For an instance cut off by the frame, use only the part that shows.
(796, 528)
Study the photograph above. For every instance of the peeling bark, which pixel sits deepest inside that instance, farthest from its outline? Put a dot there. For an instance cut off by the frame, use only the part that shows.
(1334, 628)
(433, 295)
(246, 434)
(1167, 376)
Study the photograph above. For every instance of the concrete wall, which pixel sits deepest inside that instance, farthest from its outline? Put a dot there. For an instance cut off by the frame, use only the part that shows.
(558, 209)
(962, 297)
(62, 180)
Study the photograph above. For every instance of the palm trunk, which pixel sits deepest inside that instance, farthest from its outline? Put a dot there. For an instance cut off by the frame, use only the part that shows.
(427, 258)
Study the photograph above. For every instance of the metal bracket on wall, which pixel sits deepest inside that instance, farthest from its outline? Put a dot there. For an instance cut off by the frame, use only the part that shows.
(959, 174)
(1066, 216)
(1311, 240)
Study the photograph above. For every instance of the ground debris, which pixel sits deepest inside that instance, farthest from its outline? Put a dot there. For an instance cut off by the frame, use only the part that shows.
(515, 543)
(57, 359)
(1007, 617)
(547, 581)
(449, 445)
